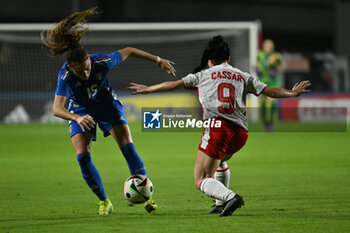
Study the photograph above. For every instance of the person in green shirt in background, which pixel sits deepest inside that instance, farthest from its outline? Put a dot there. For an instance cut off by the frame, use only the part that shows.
(269, 66)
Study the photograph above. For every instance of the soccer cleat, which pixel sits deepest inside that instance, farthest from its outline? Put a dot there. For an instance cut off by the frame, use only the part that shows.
(232, 205)
(216, 209)
(105, 208)
(150, 205)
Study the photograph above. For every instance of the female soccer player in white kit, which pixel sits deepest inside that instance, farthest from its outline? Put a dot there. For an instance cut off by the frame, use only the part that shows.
(222, 91)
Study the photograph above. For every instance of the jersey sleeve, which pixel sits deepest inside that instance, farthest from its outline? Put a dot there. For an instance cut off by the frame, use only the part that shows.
(253, 85)
(116, 58)
(62, 85)
(192, 80)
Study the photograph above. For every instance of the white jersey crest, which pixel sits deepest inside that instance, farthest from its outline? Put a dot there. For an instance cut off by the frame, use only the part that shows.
(222, 91)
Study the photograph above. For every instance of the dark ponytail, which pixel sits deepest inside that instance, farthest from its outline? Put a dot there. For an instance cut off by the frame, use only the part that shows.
(216, 50)
(66, 36)
(204, 62)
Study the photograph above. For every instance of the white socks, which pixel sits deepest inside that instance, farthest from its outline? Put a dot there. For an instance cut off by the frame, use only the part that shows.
(222, 174)
(216, 189)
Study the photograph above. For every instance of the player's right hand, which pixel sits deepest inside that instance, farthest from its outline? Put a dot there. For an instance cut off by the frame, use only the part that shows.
(86, 121)
(300, 88)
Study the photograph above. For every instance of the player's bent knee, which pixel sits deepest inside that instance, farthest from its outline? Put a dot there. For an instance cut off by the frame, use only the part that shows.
(82, 143)
(121, 134)
(123, 142)
(82, 150)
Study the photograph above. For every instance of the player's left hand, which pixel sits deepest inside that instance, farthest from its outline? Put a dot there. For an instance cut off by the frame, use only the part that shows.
(300, 88)
(167, 66)
(139, 88)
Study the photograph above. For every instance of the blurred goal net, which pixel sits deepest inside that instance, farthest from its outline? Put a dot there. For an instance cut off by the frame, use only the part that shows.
(28, 75)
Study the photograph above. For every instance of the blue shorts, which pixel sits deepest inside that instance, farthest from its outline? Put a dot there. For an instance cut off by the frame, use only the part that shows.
(106, 115)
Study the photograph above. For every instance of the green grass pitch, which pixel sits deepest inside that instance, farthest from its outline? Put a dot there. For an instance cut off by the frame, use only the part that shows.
(291, 182)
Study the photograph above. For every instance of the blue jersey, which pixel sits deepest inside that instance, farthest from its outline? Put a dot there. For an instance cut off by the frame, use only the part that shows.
(94, 90)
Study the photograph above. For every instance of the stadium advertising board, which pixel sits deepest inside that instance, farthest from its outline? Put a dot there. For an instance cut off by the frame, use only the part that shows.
(316, 108)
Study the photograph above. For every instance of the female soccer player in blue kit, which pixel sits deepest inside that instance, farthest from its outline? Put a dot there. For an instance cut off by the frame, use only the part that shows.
(83, 81)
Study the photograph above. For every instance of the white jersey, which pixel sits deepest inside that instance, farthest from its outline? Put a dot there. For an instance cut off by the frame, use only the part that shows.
(222, 91)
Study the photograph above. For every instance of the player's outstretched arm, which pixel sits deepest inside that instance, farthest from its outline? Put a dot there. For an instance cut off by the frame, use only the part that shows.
(297, 90)
(165, 86)
(163, 64)
(60, 111)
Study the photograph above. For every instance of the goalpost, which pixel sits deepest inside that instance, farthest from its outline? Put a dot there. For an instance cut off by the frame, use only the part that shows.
(28, 75)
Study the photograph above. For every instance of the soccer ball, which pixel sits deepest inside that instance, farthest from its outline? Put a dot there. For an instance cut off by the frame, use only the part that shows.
(138, 189)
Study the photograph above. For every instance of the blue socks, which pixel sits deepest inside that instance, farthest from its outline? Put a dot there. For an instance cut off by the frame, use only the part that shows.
(91, 175)
(134, 161)
(93, 178)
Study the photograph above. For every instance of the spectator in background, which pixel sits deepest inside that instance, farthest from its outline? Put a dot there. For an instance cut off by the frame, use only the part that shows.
(269, 66)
